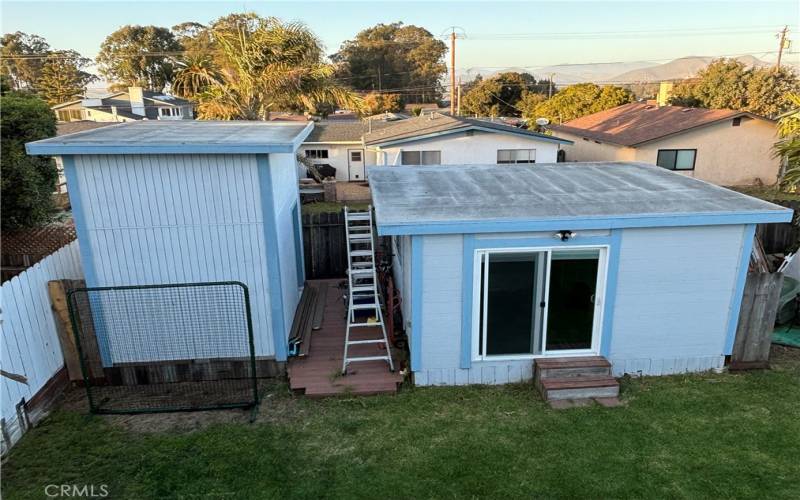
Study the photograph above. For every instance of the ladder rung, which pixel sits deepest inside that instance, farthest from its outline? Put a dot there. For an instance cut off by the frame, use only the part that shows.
(361, 253)
(372, 341)
(367, 358)
(358, 216)
(366, 238)
(365, 325)
(365, 306)
(360, 229)
(363, 270)
(369, 288)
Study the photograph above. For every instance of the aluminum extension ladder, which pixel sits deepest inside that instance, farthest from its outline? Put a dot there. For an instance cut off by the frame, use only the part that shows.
(363, 293)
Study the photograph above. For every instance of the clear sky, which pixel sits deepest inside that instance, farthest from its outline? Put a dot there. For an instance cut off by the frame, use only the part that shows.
(723, 27)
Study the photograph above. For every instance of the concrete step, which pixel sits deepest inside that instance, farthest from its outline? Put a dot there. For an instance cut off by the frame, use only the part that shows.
(579, 388)
(584, 366)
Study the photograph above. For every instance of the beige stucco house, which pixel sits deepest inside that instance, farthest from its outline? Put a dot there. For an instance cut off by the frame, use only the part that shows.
(722, 146)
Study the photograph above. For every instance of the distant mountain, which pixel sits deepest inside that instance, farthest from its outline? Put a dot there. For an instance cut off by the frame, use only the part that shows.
(562, 73)
(685, 67)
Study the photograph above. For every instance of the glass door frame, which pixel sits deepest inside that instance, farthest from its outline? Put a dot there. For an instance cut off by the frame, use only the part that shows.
(479, 291)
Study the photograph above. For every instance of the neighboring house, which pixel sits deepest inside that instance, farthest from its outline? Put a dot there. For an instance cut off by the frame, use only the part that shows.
(130, 105)
(430, 139)
(501, 267)
(723, 146)
(213, 201)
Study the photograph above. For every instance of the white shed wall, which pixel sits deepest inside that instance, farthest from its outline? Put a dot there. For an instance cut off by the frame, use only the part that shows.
(154, 219)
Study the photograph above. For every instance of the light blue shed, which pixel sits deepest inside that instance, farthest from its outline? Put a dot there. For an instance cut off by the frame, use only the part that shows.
(191, 201)
(501, 266)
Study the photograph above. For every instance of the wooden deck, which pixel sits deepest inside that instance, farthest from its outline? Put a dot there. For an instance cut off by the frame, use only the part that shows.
(319, 373)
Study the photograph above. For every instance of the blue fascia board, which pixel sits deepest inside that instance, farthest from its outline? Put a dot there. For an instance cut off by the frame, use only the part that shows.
(433, 135)
(738, 292)
(58, 149)
(279, 331)
(416, 303)
(302, 136)
(584, 223)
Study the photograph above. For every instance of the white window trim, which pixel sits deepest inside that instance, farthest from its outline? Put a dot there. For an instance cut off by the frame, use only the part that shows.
(600, 296)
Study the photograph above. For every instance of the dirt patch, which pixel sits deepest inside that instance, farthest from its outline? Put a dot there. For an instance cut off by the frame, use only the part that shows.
(353, 192)
(277, 405)
(783, 355)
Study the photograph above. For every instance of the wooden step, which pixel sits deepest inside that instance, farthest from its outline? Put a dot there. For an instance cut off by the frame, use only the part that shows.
(590, 366)
(579, 388)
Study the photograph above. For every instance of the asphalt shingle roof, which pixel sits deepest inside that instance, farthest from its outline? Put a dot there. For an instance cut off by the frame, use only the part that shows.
(639, 122)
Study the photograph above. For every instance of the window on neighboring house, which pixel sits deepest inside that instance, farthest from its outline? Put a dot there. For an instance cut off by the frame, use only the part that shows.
(69, 115)
(421, 158)
(676, 159)
(737, 121)
(317, 154)
(169, 111)
(516, 156)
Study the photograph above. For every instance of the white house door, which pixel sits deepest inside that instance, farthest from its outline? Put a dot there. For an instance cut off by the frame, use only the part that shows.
(355, 163)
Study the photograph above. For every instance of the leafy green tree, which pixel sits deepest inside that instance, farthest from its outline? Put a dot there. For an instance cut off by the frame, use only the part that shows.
(394, 56)
(262, 65)
(62, 77)
(375, 103)
(500, 94)
(580, 100)
(528, 103)
(138, 56)
(20, 58)
(27, 182)
(728, 83)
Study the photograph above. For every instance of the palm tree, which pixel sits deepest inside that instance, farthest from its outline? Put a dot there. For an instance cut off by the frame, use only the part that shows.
(788, 147)
(261, 65)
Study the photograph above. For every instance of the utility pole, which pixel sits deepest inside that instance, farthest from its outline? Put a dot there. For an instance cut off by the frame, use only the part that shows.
(782, 37)
(453, 72)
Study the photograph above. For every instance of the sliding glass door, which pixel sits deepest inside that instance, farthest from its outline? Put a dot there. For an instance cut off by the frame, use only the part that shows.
(531, 302)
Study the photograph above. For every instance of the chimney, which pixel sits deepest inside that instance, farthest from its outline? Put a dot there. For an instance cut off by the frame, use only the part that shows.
(664, 93)
(137, 100)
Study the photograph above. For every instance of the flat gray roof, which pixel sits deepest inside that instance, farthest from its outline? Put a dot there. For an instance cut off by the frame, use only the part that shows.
(560, 196)
(179, 137)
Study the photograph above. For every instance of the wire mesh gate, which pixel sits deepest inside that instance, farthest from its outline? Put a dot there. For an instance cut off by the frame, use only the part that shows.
(176, 347)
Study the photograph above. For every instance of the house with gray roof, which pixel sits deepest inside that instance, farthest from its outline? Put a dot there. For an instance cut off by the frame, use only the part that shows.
(430, 139)
(129, 105)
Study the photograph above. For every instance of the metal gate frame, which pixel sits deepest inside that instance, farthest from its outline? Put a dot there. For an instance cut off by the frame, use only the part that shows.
(96, 409)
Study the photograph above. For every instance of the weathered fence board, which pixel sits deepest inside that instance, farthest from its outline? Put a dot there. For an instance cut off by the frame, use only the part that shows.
(30, 345)
(756, 320)
(324, 245)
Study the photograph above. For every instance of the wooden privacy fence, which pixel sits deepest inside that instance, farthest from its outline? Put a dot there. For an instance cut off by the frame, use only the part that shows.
(324, 245)
(31, 351)
(26, 247)
(756, 320)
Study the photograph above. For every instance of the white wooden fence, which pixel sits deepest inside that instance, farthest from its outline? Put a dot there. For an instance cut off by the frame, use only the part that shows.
(30, 345)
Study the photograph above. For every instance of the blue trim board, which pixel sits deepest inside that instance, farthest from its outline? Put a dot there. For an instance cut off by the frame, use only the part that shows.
(279, 332)
(467, 277)
(297, 232)
(584, 223)
(613, 241)
(87, 257)
(738, 292)
(610, 297)
(416, 302)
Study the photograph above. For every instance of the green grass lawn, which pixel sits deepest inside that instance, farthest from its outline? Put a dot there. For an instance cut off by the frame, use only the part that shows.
(706, 436)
